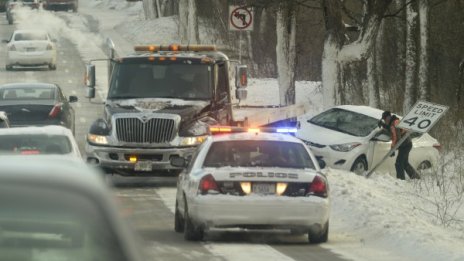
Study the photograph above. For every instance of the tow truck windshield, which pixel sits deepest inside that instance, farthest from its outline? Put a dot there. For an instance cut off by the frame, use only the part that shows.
(182, 80)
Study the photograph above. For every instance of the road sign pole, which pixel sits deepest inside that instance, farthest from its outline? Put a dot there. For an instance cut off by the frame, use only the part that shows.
(397, 145)
(240, 46)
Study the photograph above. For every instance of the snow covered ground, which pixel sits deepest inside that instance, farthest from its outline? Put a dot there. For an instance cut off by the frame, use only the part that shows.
(380, 218)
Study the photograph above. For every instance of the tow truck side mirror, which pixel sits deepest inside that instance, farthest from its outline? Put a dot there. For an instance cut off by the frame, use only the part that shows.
(241, 77)
(90, 80)
(241, 82)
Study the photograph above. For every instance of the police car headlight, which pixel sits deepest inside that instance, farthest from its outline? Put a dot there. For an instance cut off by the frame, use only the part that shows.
(97, 139)
(345, 147)
(192, 141)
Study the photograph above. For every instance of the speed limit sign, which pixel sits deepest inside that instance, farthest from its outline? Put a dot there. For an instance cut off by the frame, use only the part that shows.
(422, 116)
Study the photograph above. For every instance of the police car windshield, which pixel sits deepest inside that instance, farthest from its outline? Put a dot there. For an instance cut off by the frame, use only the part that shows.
(345, 121)
(253, 153)
(163, 80)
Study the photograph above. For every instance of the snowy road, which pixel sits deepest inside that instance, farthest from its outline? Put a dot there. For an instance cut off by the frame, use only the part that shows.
(147, 202)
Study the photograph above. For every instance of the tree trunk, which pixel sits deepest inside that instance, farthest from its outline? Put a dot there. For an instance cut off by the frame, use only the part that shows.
(183, 20)
(286, 52)
(193, 36)
(372, 79)
(148, 9)
(424, 92)
(411, 56)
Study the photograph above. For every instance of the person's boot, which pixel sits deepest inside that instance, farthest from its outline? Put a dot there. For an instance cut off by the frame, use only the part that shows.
(412, 173)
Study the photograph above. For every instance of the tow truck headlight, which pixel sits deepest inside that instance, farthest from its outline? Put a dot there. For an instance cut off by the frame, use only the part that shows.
(97, 139)
(345, 147)
(192, 141)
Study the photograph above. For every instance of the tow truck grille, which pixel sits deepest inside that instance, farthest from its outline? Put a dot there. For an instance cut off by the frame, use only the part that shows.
(154, 130)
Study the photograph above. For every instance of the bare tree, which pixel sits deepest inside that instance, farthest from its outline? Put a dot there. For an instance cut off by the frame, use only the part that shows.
(188, 22)
(411, 58)
(338, 51)
(424, 55)
(286, 51)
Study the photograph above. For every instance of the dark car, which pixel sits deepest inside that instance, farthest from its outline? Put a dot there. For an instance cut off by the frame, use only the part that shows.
(3, 5)
(36, 104)
(64, 212)
(61, 5)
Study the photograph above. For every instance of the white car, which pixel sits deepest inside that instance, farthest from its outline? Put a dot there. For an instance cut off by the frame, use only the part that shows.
(252, 180)
(30, 48)
(46, 140)
(348, 137)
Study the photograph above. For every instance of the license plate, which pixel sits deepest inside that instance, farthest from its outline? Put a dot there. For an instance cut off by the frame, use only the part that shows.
(30, 49)
(264, 188)
(143, 166)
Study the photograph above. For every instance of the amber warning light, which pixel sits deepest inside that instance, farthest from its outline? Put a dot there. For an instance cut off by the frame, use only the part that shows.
(175, 48)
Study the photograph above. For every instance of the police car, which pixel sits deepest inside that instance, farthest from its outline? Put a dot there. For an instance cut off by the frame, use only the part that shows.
(252, 179)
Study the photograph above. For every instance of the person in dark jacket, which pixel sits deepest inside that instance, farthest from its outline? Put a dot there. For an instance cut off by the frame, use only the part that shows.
(402, 160)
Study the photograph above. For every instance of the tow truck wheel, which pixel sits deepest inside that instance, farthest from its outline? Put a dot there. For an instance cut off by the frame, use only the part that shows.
(178, 221)
(191, 233)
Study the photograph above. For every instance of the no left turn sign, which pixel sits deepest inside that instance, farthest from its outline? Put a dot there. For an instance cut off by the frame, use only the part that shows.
(240, 18)
(422, 116)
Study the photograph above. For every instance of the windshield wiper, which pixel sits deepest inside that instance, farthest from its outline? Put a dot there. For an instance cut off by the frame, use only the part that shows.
(124, 97)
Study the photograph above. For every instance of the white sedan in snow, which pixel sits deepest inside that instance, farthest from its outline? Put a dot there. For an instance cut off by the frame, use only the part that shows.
(348, 137)
(30, 48)
(252, 180)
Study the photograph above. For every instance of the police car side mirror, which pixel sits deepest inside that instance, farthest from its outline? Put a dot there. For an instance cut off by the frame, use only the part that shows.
(178, 162)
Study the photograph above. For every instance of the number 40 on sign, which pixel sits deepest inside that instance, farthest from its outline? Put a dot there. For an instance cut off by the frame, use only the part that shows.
(422, 116)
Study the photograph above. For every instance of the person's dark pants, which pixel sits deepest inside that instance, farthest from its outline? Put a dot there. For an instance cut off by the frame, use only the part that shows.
(402, 163)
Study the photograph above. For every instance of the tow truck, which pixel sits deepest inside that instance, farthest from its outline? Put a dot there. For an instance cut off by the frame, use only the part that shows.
(160, 103)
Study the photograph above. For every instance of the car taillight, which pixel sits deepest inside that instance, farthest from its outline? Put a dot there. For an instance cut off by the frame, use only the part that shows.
(49, 47)
(208, 185)
(437, 146)
(12, 47)
(55, 110)
(318, 187)
(30, 152)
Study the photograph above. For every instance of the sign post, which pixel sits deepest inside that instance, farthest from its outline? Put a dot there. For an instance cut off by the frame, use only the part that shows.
(421, 118)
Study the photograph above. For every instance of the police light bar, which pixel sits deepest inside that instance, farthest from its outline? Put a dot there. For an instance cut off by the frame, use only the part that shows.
(175, 48)
(229, 129)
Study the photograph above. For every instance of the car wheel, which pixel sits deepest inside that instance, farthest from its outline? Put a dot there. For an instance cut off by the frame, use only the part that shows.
(319, 238)
(191, 233)
(178, 221)
(52, 67)
(359, 166)
(424, 165)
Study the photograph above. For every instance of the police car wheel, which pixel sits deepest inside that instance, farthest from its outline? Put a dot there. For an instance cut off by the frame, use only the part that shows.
(319, 238)
(191, 233)
(178, 221)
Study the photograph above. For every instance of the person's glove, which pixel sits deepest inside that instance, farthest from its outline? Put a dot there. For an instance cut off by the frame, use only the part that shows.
(381, 124)
(392, 155)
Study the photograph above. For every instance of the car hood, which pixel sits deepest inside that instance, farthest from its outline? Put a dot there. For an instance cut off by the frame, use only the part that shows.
(324, 136)
(185, 109)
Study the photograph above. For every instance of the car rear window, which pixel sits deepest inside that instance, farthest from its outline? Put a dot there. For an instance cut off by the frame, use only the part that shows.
(30, 36)
(42, 93)
(29, 144)
(253, 153)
